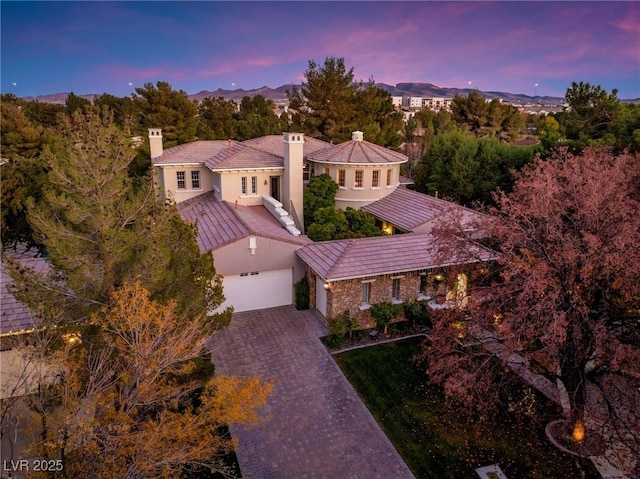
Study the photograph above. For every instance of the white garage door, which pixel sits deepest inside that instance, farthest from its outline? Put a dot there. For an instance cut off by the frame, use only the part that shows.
(258, 290)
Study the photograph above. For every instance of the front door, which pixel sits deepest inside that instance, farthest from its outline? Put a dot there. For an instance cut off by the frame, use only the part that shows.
(275, 187)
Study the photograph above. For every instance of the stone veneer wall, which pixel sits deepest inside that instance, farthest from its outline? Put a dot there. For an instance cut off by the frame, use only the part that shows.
(311, 278)
(347, 295)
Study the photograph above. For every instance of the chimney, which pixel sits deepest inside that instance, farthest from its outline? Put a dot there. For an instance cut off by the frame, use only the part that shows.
(357, 136)
(292, 178)
(155, 142)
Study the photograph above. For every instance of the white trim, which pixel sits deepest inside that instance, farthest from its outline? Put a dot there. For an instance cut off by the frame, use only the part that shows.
(364, 306)
(358, 164)
(241, 170)
(161, 165)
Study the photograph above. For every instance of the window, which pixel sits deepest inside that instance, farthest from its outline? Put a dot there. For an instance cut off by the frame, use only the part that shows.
(254, 185)
(366, 290)
(423, 284)
(244, 185)
(326, 171)
(305, 172)
(341, 178)
(388, 177)
(195, 180)
(358, 182)
(395, 288)
(375, 180)
(182, 182)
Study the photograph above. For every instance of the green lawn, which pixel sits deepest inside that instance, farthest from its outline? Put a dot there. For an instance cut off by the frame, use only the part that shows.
(437, 443)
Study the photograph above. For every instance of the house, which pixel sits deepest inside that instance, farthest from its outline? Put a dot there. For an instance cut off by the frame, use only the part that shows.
(246, 200)
(351, 275)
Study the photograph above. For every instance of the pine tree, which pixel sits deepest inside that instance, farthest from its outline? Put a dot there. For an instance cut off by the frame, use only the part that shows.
(100, 228)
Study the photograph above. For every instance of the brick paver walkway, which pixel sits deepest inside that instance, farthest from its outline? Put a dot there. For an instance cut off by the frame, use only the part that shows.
(316, 425)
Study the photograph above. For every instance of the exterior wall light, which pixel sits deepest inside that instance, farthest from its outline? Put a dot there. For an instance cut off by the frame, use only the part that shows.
(327, 285)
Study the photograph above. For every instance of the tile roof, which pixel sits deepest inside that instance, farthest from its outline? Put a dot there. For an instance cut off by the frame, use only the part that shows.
(195, 152)
(363, 257)
(358, 152)
(262, 223)
(15, 316)
(241, 156)
(220, 222)
(263, 152)
(410, 210)
(274, 144)
(217, 224)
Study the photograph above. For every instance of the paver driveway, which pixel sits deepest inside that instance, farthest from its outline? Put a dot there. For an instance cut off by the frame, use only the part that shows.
(316, 425)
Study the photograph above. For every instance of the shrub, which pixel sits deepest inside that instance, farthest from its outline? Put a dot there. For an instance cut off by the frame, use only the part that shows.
(301, 290)
(342, 325)
(417, 313)
(385, 312)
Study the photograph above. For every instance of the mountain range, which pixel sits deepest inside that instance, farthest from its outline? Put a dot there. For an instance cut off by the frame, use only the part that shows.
(280, 93)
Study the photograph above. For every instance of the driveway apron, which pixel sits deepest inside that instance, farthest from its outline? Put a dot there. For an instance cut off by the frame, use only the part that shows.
(315, 425)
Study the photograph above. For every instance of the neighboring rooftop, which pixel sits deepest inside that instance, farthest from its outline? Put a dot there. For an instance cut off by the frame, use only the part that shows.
(16, 317)
(363, 257)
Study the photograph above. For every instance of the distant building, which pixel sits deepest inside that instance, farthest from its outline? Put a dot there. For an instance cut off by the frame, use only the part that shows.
(437, 104)
(412, 102)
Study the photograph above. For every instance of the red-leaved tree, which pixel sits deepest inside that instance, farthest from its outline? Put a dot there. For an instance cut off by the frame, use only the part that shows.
(565, 299)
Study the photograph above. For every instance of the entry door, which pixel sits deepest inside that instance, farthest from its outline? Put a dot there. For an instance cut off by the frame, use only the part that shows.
(275, 187)
(321, 296)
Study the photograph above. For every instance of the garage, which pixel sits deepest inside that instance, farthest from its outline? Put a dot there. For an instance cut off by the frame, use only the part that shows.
(258, 289)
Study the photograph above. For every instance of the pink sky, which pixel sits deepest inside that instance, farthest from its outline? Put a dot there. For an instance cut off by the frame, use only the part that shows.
(95, 47)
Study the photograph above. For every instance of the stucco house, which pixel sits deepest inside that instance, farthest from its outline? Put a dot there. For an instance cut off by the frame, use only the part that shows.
(246, 199)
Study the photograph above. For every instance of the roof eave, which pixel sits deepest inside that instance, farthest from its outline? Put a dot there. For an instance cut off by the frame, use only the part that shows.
(405, 270)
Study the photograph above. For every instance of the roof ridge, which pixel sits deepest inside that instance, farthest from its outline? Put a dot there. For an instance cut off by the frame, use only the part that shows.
(349, 244)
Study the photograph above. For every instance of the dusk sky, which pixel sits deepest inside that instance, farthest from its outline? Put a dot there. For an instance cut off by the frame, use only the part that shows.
(96, 47)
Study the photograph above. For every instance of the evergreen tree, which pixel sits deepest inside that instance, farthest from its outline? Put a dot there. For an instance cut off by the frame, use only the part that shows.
(319, 193)
(331, 105)
(163, 107)
(217, 120)
(256, 118)
(101, 228)
(22, 172)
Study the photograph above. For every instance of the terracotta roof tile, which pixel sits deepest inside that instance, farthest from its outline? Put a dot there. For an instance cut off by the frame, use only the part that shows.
(407, 209)
(413, 211)
(262, 223)
(220, 223)
(242, 156)
(360, 258)
(195, 152)
(359, 152)
(217, 224)
(274, 144)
